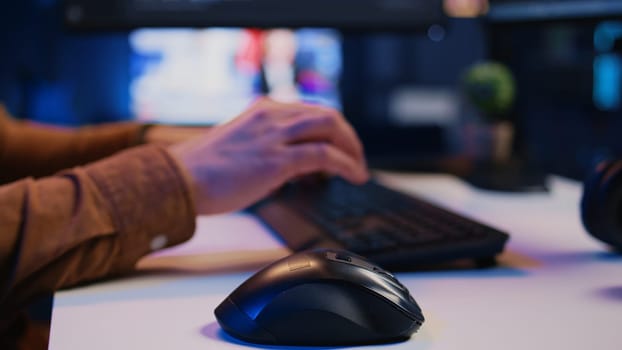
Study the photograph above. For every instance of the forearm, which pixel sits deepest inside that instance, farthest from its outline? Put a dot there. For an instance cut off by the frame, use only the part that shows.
(28, 149)
(90, 223)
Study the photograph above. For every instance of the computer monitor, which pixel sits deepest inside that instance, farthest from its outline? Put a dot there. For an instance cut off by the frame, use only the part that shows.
(359, 14)
(397, 89)
(206, 76)
(371, 64)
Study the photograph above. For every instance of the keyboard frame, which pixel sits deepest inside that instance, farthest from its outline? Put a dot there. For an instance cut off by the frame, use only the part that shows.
(299, 232)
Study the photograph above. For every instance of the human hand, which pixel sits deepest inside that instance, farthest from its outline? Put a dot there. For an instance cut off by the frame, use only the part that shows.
(242, 161)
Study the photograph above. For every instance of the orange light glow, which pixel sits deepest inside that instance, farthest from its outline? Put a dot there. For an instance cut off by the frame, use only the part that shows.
(466, 8)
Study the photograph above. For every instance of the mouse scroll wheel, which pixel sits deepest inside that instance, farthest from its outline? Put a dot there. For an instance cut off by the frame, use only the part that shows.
(343, 257)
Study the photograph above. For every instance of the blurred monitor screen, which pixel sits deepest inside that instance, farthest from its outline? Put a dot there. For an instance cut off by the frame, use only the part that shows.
(206, 76)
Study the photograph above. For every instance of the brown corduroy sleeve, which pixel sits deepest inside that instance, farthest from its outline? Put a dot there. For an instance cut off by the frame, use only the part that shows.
(90, 222)
(28, 149)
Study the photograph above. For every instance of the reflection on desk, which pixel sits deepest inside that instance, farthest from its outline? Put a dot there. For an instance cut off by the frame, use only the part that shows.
(555, 287)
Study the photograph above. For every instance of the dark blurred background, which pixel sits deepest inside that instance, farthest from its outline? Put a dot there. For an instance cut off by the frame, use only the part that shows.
(400, 85)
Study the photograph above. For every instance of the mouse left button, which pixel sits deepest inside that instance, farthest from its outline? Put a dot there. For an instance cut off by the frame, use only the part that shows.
(237, 323)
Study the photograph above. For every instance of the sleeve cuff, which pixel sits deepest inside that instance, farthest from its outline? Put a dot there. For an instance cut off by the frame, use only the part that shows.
(149, 200)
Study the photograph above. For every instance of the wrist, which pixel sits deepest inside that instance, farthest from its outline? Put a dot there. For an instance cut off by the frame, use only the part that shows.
(169, 135)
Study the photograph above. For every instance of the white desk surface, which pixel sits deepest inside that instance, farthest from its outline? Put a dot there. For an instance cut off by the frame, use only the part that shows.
(555, 288)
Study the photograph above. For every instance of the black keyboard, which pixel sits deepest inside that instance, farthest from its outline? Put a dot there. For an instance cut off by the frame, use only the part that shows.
(394, 230)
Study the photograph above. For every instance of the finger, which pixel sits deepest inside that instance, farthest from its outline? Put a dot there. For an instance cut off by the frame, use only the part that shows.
(324, 127)
(315, 157)
(266, 109)
(347, 127)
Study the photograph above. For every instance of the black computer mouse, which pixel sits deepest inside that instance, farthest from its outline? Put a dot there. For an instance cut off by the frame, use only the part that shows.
(322, 298)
